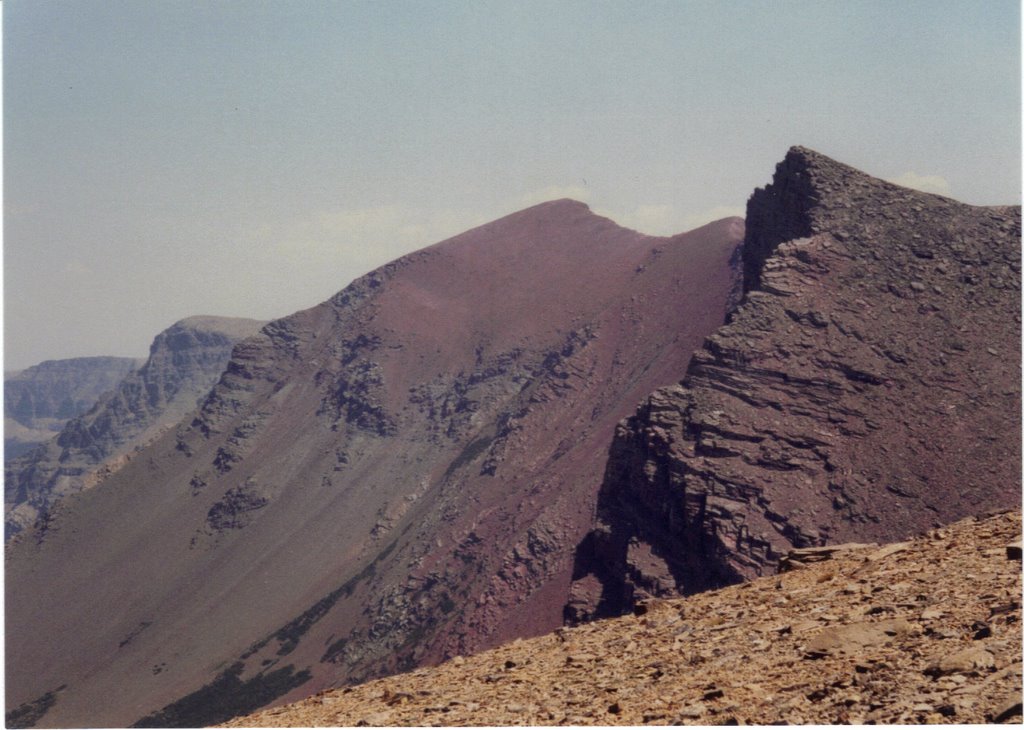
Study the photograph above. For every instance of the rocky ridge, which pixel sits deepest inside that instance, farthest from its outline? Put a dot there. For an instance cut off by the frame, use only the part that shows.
(408, 464)
(867, 387)
(185, 361)
(39, 400)
(923, 631)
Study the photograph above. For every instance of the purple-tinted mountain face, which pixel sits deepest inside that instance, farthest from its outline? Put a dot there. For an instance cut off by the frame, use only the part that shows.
(867, 388)
(419, 467)
(395, 476)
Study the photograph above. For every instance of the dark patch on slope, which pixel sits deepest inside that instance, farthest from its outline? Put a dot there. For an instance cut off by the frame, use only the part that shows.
(684, 547)
(29, 713)
(225, 697)
(289, 635)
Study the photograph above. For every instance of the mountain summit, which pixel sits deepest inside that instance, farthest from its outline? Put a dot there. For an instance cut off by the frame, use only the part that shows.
(395, 476)
(866, 388)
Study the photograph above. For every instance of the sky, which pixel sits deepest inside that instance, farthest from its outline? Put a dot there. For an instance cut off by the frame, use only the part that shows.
(249, 159)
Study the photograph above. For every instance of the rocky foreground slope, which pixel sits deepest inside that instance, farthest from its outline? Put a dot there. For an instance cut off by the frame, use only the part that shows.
(924, 631)
(866, 388)
(39, 400)
(395, 476)
(184, 362)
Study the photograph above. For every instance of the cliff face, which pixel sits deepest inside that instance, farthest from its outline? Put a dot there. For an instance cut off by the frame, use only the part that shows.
(866, 388)
(395, 476)
(39, 400)
(184, 362)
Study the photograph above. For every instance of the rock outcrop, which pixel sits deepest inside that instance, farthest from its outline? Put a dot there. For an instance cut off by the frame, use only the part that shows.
(395, 476)
(39, 400)
(921, 632)
(185, 361)
(867, 387)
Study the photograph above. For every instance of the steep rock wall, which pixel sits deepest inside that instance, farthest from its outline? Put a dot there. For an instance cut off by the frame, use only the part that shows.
(39, 400)
(867, 388)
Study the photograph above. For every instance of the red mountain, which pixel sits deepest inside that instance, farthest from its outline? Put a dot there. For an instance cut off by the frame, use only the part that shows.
(867, 388)
(395, 476)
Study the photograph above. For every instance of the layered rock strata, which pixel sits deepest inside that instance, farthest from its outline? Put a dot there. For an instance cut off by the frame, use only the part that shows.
(39, 400)
(867, 387)
(185, 361)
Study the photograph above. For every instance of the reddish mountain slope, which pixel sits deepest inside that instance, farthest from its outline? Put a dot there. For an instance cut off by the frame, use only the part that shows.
(868, 387)
(392, 477)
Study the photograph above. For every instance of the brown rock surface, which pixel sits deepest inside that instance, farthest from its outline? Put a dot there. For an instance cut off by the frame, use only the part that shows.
(184, 362)
(867, 387)
(746, 653)
(393, 477)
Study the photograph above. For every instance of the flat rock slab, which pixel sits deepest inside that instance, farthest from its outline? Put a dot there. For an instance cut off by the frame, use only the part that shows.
(853, 637)
(972, 659)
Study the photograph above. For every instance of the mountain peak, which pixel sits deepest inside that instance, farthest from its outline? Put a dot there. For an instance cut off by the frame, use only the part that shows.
(812, 161)
(233, 327)
(879, 326)
(437, 422)
(811, 193)
(565, 204)
(561, 212)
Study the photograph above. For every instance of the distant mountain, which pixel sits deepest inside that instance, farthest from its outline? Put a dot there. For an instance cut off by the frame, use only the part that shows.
(867, 388)
(395, 476)
(39, 400)
(184, 362)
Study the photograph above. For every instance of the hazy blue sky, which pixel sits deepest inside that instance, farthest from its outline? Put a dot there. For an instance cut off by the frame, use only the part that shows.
(165, 159)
